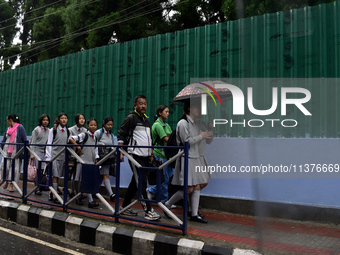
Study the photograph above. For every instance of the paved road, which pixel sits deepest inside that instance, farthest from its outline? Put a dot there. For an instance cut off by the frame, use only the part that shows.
(17, 239)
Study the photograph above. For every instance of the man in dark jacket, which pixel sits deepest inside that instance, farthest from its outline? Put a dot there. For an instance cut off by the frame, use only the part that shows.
(135, 130)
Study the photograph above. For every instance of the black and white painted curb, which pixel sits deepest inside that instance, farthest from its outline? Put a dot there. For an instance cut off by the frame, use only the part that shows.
(116, 239)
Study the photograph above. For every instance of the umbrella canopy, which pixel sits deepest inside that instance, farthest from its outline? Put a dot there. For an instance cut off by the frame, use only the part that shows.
(195, 90)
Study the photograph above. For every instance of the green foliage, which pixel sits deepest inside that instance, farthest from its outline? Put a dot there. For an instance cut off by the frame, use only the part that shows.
(7, 34)
(53, 28)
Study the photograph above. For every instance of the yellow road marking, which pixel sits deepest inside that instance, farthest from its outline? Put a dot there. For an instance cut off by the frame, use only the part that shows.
(40, 242)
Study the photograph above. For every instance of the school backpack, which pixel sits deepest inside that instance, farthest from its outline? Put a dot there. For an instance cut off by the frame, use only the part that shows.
(172, 141)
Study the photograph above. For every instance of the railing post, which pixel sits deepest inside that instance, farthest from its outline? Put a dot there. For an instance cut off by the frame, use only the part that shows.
(117, 183)
(65, 178)
(24, 184)
(185, 195)
(158, 186)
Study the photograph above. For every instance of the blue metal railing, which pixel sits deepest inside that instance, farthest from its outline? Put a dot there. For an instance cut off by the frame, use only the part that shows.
(25, 198)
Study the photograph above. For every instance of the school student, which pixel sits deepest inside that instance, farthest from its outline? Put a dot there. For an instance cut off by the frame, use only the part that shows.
(88, 154)
(15, 133)
(187, 131)
(160, 135)
(77, 129)
(105, 137)
(58, 135)
(40, 136)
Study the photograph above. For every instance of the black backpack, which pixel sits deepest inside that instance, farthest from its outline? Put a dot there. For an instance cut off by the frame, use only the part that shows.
(169, 153)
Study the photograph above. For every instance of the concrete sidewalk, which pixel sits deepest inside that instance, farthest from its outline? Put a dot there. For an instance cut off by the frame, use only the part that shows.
(266, 236)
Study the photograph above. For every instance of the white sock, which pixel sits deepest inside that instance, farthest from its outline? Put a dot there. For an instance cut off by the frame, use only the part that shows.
(89, 196)
(108, 186)
(55, 187)
(195, 200)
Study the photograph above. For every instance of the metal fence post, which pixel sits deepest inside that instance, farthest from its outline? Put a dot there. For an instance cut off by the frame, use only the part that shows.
(65, 179)
(24, 184)
(117, 183)
(185, 195)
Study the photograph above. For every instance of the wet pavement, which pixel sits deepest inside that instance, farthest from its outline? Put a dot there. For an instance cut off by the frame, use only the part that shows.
(17, 239)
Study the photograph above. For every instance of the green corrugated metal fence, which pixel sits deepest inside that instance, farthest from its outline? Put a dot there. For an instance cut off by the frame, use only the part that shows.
(103, 81)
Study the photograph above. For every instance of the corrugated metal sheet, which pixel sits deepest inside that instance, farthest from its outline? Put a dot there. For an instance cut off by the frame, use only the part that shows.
(103, 81)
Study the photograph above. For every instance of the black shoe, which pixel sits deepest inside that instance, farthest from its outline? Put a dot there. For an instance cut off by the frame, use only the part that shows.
(198, 213)
(112, 197)
(79, 202)
(59, 191)
(94, 196)
(72, 195)
(198, 219)
(82, 197)
(93, 204)
(56, 201)
(38, 192)
(50, 197)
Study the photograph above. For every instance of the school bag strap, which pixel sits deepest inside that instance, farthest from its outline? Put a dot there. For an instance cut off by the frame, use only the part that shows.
(85, 140)
(101, 135)
(55, 133)
(133, 118)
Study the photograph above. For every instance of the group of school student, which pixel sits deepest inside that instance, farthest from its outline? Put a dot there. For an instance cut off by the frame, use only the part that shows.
(42, 135)
(135, 130)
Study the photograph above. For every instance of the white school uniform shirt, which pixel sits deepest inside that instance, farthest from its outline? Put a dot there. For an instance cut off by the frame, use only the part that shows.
(50, 140)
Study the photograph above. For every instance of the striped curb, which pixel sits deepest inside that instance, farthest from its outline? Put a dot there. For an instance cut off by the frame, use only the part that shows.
(245, 252)
(116, 239)
(72, 230)
(45, 220)
(22, 214)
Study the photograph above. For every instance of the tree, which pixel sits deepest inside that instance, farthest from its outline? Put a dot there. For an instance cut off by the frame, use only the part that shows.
(53, 28)
(259, 7)
(195, 13)
(7, 34)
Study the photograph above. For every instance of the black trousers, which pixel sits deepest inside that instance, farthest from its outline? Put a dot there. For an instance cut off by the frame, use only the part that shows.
(132, 189)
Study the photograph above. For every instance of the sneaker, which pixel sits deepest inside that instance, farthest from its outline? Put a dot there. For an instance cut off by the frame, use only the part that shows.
(50, 196)
(152, 215)
(150, 195)
(128, 212)
(112, 197)
(173, 206)
(59, 191)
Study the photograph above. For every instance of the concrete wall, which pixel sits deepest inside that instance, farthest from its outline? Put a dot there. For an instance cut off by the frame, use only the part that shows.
(308, 188)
